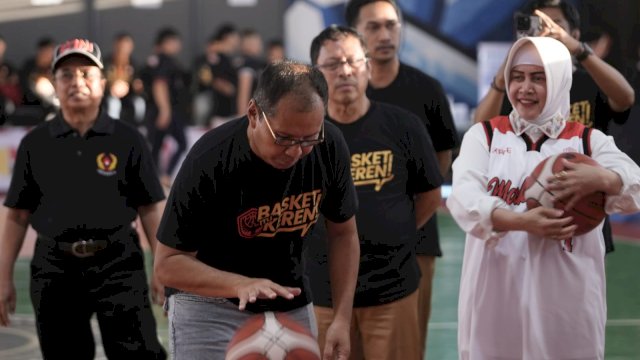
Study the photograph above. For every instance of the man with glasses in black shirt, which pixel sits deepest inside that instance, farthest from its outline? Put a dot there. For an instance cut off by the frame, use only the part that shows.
(395, 171)
(245, 199)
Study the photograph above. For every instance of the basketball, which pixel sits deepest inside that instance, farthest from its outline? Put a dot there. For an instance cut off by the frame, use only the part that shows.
(272, 336)
(587, 213)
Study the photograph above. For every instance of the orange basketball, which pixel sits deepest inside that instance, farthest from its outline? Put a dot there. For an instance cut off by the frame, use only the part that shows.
(272, 336)
(587, 213)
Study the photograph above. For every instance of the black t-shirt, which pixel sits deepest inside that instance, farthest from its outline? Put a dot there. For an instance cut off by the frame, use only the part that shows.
(9, 91)
(128, 74)
(392, 159)
(253, 65)
(29, 73)
(225, 105)
(162, 66)
(589, 105)
(243, 216)
(75, 185)
(423, 95)
(9, 84)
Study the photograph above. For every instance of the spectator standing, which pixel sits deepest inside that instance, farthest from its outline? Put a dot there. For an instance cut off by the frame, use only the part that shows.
(397, 83)
(80, 180)
(395, 171)
(600, 93)
(166, 111)
(125, 89)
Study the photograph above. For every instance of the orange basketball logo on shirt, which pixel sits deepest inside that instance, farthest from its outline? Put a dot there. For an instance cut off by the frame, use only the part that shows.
(293, 213)
(107, 163)
(248, 224)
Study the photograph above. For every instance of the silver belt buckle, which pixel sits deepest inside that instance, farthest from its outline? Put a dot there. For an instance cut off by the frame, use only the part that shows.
(80, 248)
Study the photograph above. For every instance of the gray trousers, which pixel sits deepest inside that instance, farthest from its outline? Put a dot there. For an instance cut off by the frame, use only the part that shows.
(201, 327)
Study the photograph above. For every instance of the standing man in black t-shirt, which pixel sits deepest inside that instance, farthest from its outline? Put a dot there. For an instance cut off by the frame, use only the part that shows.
(166, 111)
(124, 86)
(395, 171)
(80, 180)
(252, 62)
(10, 91)
(599, 93)
(246, 197)
(224, 72)
(393, 82)
(38, 97)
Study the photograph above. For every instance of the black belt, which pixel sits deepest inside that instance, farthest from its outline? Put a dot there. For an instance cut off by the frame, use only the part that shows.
(82, 248)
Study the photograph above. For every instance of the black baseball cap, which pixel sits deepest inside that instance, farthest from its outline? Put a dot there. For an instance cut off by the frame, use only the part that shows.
(81, 47)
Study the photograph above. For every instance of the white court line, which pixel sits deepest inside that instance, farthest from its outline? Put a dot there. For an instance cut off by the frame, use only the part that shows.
(452, 325)
(29, 346)
(623, 322)
(32, 343)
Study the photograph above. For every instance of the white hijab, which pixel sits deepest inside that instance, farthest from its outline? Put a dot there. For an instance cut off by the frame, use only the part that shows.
(554, 57)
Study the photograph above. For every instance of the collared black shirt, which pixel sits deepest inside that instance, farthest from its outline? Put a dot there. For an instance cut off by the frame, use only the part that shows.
(76, 184)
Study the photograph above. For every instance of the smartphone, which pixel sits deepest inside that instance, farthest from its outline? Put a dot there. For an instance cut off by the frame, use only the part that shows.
(527, 25)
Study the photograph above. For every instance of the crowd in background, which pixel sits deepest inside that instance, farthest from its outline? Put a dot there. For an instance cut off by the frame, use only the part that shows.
(218, 83)
(161, 96)
(214, 88)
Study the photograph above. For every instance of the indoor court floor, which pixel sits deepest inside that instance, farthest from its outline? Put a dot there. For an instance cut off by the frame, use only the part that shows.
(19, 341)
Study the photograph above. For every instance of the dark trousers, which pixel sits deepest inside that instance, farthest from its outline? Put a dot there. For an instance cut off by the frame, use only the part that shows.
(607, 231)
(66, 291)
(156, 138)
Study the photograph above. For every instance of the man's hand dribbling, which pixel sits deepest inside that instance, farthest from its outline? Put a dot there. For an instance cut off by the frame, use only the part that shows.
(251, 290)
(7, 301)
(338, 343)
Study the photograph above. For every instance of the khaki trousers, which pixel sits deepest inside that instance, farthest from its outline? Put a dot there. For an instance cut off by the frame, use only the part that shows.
(382, 332)
(427, 266)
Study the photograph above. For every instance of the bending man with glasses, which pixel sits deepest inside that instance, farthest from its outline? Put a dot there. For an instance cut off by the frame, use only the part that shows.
(395, 171)
(245, 199)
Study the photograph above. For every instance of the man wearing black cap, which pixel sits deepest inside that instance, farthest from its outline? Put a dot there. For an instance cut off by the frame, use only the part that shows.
(80, 180)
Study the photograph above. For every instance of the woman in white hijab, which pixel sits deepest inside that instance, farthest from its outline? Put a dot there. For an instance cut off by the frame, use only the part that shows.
(530, 288)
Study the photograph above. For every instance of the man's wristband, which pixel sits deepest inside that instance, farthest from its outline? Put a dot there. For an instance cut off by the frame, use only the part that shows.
(495, 86)
(585, 51)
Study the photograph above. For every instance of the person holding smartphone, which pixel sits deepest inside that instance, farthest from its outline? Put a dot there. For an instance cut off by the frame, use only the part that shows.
(524, 293)
(600, 94)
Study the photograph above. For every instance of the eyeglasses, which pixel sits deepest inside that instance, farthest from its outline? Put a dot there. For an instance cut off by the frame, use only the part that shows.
(288, 142)
(67, 76)
(335, 65)
(374, 27)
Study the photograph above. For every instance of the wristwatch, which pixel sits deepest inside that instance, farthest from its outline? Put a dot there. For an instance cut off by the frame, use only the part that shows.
(585, 51)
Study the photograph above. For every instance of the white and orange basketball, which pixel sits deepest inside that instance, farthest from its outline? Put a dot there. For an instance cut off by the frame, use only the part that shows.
(587, 213)
(272, 336)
